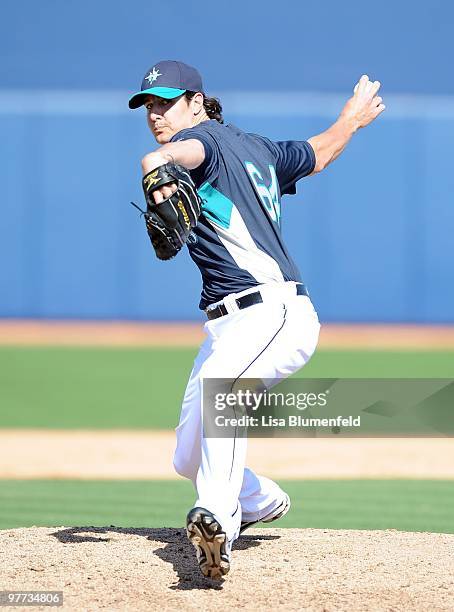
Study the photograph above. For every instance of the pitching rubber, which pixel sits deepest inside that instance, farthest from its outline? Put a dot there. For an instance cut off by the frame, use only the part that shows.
(210, 542)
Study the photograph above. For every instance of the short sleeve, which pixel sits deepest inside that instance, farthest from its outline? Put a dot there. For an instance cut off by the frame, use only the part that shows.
(208, 171)
(294, 160)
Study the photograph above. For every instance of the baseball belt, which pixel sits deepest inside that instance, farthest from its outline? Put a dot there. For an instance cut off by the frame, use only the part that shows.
(248, 300)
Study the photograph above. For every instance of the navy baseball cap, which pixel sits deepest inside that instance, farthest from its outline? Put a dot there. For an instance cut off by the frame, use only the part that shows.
(168, 79)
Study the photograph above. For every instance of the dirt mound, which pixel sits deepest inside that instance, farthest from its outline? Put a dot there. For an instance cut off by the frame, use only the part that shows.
(288, 569)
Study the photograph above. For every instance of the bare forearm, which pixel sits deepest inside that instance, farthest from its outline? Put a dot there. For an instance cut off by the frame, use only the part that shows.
(187, 153)
(329, 144)
(362, 108)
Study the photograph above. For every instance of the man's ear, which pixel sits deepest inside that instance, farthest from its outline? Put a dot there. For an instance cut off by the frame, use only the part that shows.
(197, 103)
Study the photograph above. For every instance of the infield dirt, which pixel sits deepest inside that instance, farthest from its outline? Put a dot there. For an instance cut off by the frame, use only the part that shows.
(113, 568)
(25, 332)
(148, 454)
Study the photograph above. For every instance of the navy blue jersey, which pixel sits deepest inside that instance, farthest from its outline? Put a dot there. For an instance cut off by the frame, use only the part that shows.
(237, 243)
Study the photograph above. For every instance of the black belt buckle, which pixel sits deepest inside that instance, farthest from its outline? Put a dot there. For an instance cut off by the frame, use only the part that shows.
(242, 302)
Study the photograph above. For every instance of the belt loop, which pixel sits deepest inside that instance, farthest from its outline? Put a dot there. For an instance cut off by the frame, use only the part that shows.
(230, 303)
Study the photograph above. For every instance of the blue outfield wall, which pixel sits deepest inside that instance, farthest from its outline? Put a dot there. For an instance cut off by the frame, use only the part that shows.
(372, 234)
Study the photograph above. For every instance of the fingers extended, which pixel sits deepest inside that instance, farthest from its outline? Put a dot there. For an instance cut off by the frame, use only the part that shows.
(365, 85)
(375, 86)
(362, 83)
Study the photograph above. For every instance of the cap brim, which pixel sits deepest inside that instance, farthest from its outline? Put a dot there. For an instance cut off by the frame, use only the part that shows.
(162, 92)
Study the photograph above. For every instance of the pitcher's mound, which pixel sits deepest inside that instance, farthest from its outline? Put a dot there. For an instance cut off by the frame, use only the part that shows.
(289, 569)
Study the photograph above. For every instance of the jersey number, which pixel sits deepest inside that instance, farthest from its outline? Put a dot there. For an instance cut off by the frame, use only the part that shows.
(269, 195)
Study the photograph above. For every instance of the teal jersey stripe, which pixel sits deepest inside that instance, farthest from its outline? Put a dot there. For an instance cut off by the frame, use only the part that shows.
(216, 206)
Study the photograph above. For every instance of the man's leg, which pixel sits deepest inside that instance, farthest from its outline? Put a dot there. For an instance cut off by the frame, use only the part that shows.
(259, 496)
(216, 465)
(211, 525)
(187, 455)
(272, 347)
(276, 340)
(292, 350)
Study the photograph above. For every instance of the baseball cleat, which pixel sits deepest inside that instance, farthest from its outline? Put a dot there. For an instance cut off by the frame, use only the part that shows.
(210, 541)
(277, 513)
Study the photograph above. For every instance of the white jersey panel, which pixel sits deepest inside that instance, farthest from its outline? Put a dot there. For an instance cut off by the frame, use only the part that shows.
(239, 243)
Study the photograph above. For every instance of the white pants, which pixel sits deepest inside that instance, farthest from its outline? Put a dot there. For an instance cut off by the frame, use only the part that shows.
(268, 341)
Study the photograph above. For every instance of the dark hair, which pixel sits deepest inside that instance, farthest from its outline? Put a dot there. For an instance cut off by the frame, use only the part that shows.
(212, 106)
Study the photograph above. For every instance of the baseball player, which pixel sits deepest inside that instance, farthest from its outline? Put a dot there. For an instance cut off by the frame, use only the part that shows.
(217, 190)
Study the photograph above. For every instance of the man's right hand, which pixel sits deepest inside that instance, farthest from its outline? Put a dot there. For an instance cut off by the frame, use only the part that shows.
(365, 105)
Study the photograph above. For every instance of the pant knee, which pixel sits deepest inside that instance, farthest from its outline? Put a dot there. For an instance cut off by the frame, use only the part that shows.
(184, 468)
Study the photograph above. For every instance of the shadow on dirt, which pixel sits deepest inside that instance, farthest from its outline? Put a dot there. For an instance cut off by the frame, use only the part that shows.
(177, 550)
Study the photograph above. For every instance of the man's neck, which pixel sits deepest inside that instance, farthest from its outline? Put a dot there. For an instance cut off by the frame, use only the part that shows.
(200, 119)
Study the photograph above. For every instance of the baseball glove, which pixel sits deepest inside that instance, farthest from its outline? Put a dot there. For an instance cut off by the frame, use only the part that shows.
(170, 222)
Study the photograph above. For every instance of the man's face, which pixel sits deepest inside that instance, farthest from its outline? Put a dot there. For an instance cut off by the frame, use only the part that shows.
(167, 117)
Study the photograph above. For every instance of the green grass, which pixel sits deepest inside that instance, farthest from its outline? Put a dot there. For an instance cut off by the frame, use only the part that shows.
(407, 505)
(93, 388)
(142, 388)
